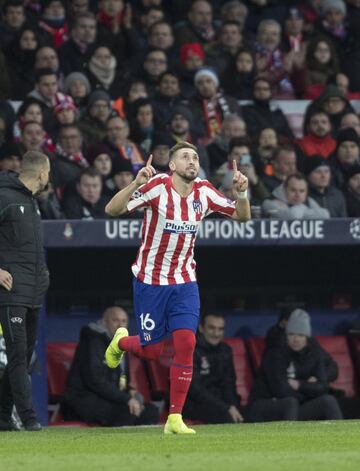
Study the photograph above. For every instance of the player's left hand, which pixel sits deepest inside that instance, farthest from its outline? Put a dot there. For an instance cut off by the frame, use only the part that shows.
(240, 181)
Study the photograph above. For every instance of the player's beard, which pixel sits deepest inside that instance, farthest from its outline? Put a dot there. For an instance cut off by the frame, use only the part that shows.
(188, 175)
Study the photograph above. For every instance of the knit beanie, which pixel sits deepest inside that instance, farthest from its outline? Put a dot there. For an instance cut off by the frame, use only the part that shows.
(191, 49)
(206, 72)
(347, 134)
(71, 78)
(299, 323)
(98, 95)
(337, 5)
(313, 162)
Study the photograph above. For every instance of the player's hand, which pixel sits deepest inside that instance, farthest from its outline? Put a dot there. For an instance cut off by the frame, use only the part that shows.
(134, 407)
(145, 173)
(235, 415)
(294, 383)
(240, 181)
(6, 280)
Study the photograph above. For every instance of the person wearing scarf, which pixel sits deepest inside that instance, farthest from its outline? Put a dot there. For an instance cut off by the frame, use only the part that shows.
(53, 21)
(103, 72)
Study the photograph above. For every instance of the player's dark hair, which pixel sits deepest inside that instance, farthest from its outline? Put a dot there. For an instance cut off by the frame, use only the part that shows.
(179, 146)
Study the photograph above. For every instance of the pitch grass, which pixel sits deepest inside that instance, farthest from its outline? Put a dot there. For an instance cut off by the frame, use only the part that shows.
(265, 447)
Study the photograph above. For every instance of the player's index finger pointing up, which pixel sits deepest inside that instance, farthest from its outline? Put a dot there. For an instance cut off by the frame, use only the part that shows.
(234, 166)
(148, 163)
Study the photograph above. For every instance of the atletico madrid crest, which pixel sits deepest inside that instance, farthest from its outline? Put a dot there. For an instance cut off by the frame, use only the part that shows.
(197, 205)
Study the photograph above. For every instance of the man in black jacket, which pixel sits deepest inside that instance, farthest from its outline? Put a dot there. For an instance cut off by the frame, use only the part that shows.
(24, 280)
(212, 396)
(291, 383)
(98, 394)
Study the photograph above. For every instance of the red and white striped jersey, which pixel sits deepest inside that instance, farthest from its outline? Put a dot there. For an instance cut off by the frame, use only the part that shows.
(170, 226)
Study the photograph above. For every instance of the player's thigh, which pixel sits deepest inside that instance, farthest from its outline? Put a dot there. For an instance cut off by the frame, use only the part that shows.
(150, 304)
(184, 307)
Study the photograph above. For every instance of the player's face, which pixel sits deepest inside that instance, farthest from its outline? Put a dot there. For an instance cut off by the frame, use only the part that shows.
(185, 164)
(213, 329)
(296, 342)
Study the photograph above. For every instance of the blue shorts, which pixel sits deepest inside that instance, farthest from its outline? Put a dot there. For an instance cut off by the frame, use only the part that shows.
(160, 309)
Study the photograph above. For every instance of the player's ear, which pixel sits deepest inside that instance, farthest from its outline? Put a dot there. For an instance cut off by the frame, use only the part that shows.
(172, 165)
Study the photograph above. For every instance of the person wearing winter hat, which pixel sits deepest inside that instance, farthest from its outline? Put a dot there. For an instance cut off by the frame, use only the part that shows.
(318, 173)
(65, 111)
(192, 56)
(99, 157)
(10, 157)
(122, 174)
(334, 21)
(346, 156)
(292, 382)
(210, 105)
(352, 191)
(93, 124)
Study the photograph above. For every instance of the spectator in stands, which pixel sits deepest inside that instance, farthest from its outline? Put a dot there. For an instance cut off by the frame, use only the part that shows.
(352, 191)
(121, 147)
(93, 123)
(102, 72)
(66, 112)
(74, 53)
(46, 57)
(144, 124)
(232, 126)
(20, 58)
(292, 383)
(240, 152)
(293, 36)
(291, 201)
(122, 174)
(146, 18)
(276, 337)
(77, 85)
(49, 204)
(311, 10)
(318, 174)
(69, 160)
(350, 120)
(161, 37)
(271, 62)
(167, 96)
(155, 64)
(32, 137)
(52, 23)
(321, 62)
(264, 151)
(88, 202)
(220, 55)
(97, 394)
(234, 10)
(99, 157)
(77, 7)
(14, 19)
(132, 91)
(347, 155)
(261, 114)
(333, 22)
(199, 26)
(317, 138)
(10, 157)
(114, 21)
(239, 75)
(192, 58)
(210, 106)
(280, 168)
(212, 396)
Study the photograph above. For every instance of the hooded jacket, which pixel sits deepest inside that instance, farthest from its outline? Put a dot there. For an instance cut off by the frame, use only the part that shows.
(277, 207)
(21, 244)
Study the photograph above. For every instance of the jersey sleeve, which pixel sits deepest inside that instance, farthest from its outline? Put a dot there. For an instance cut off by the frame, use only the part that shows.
(218, 203)
(143, 195)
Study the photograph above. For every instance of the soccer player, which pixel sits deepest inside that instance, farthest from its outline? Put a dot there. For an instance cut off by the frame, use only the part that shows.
(166, 296)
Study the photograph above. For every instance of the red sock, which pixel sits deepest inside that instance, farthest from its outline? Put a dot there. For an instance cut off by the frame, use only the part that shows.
(181, 369)
(132, 344)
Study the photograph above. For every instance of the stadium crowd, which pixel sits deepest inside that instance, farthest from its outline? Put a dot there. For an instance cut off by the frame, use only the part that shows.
(99, 85)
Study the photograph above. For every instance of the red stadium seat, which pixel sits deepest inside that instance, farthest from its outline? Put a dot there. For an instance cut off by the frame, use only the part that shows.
(256, 347)
(244, 377)
(338, 348)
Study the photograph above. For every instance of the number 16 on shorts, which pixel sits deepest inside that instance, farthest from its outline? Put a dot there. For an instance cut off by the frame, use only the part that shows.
(147, 324)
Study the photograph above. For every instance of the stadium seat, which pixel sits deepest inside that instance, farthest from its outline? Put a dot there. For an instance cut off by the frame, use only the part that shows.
(256, 347)
(244, 377)
(59, 359)
(338, 348)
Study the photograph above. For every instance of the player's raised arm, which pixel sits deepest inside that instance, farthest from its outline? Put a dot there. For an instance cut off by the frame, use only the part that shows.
(118, 204)
(240, 185)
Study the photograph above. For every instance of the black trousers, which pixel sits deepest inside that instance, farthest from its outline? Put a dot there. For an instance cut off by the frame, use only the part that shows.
(206, 413)
(94, 409)
(324, 407)
(19, 324)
